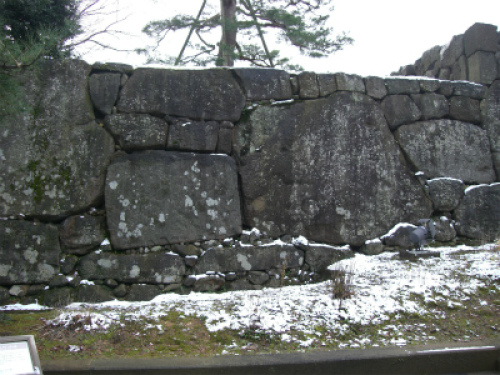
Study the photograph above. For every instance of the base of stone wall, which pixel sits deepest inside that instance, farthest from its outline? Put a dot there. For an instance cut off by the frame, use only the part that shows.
(251, 262)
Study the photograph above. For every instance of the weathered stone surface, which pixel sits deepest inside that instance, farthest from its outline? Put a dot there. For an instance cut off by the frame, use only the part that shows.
(445, 193)
(93, 294)
(372, 247)
(112, 67)
(480, 37)
(465, 109)
(327, 84)
(399, 110)
(81, 233)
(120, 291)
(249, 258)
(212, 94)
(258, 277)
(490, 112)
(478, 216)
(29, 253)
(432, 106)
(59, 92)
(242, 284)
(68, 264)
(319, 257)
(148, 268)
(451, 52)
(208, 283)
(448, 148)
(397, 86)
(316, 163)
(158, 198)
(429, 62)
(58, 297)
(308, 85)
(265, 84)
(482, 67)
(193, 135)
(445, 231)
(429, 85)
(52, 164)
(468, 89)
(137, 132)
(104, 91)
(459, 69)
(225, 140)
(399, 236)
(349, 82)
(375, 87)
(142, 293)
(19, 290)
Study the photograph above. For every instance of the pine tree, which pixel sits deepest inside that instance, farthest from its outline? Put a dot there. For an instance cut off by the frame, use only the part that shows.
(299, 23)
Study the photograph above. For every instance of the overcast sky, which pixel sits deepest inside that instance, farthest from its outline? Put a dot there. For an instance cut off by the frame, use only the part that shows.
(387, 33)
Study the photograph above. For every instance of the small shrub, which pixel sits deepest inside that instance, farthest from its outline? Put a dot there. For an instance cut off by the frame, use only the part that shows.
(341, 284)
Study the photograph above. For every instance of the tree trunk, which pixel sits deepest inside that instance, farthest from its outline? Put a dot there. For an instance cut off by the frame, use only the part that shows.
(229, 29)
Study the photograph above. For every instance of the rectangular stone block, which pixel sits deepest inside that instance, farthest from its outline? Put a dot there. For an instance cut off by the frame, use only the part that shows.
(29, 253)
(149, 268)
(159, 197)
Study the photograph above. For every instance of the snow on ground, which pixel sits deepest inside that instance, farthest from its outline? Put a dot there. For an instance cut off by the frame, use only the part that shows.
(382, 285)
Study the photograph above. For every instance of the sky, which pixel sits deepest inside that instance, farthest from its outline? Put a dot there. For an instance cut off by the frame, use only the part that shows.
(387, 33)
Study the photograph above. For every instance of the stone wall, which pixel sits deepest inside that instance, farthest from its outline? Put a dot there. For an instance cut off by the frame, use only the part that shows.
(122, 183)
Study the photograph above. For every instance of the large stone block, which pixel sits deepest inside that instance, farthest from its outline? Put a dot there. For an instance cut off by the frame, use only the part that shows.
(137, 132)
(448, 148)
(451, 52)
(478, 216)
(81, 233)
(432, 106)
(480, 37)
(153, 268)
(482, 67)
(399, 110)
(29, 253)
(445, 193)
(104, 89)
(212, 94)
(265, 84)
(309, 167)
(52, 170)
(53, 156)
(250, 258)
(308, 85)
(193, 135)
(159, 197)
(398, 86)
(319, 257)
(465, 109)
(490, 112)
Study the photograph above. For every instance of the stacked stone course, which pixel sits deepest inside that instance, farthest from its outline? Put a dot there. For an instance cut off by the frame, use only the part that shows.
(123, 183)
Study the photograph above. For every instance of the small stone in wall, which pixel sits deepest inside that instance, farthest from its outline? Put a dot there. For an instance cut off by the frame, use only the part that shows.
(445, 193)
(80, 234)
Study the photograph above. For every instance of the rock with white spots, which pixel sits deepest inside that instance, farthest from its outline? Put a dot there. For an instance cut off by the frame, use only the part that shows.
(81, 233)
(328, 169)
(319, 257)
(211, 94)
(448, 148)
(53, 156)
(153, 268)
(158, 198)
(478, 215)
(29, 253)
(250, 258)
